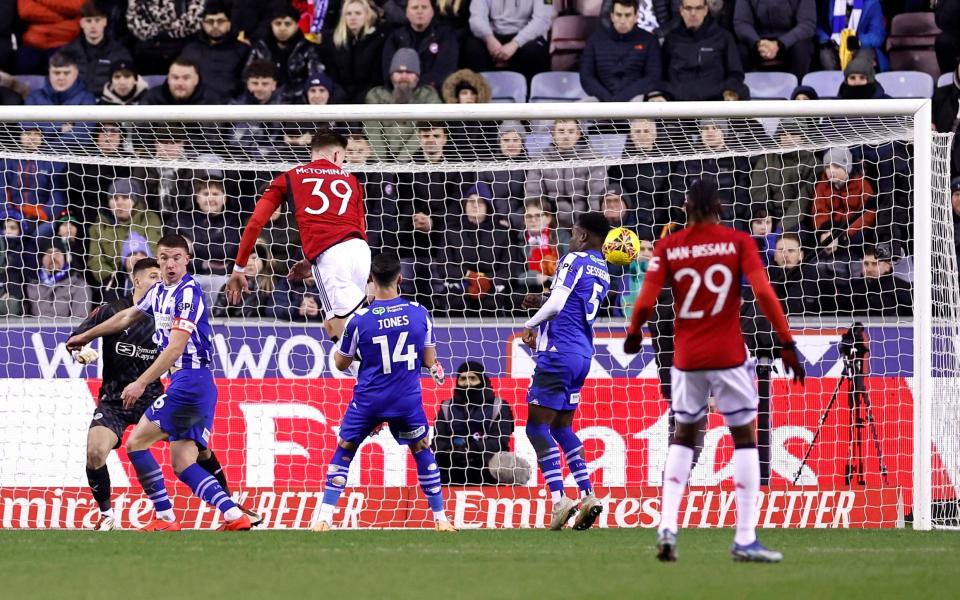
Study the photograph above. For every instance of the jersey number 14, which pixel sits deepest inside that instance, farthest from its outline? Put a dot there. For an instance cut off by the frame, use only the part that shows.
(401, 353)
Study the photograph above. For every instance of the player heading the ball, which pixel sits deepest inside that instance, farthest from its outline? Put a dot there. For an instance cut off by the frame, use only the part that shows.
(327, 204)
(393, 338)
(703, 264)
(561, 332)
(184, 414)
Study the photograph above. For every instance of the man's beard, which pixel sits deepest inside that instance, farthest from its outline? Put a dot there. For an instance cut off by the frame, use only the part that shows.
(403, 94)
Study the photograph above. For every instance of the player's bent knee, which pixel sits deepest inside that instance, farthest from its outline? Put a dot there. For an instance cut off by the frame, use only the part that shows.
(96, 457)
(420, 445)
(744, 436)
(348, 446)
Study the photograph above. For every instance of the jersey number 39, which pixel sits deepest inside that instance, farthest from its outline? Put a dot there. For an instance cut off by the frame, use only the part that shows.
(402, 353)
(338, 187)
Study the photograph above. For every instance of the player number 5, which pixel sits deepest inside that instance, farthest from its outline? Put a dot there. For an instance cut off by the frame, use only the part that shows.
(720, 288)
(338, 187)
(400, 354)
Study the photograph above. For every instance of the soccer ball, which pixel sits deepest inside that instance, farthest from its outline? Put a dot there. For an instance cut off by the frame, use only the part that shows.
(621, 246)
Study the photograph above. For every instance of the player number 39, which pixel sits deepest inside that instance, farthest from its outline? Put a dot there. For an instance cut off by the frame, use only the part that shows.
(338, 187)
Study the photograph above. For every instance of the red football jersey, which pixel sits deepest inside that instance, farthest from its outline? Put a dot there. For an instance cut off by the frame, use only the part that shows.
(704, 264)
(327, 205)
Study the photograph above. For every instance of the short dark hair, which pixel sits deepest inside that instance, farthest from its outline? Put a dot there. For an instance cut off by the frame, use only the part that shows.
(216, 7)
(62, 58)
(260, 69)
(790, 236)
(183, 61)
(594, 223)
(324, 138)
(703, 198)
(92, 8)
(430, 125)
(385, 268)
(634, 4)
(143, 264)
(174, 241)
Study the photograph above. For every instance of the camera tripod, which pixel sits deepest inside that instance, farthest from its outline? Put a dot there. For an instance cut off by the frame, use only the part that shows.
(858, 405)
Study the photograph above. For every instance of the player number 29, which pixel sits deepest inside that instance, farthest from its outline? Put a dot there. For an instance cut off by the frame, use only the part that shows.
(709, 280)
(338, 187)
(402, 353)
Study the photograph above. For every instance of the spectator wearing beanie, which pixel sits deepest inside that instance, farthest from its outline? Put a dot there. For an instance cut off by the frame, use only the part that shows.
(319, 89)
(435, 44)
(285, 46)
(866, 18)
(860, 81)
(125, 87)
(124, 217)
(352, 53)
(804, 92)
(843, 210)
(161, 29)
(216, 50)
(47, 26)
(94, 51)
(623, 61)
(776, 34)
(471, 139)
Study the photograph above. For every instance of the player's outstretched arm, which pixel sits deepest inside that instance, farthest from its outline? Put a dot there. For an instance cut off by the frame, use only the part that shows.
(237, 284)
(644, 306)
(161, 364)
(770, 305)
(550, 308)
(115, 324)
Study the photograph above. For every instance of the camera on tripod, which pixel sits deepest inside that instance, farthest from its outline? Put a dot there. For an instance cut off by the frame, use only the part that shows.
(854, 342)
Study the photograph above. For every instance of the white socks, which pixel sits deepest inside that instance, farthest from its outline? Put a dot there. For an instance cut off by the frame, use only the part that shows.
(166, 515)
(326, 513)
(440, 516)
(556, 497)
(746, 476)
(233, 514)
(675, 475)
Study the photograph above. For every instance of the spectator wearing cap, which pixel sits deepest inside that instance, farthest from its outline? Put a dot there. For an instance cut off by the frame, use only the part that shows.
(435, 44)
(471, 427)
(804, 92)
(46, 27)
(877, 292)
(57, 290)
(94, 51)
(776, 33)
(353, 52)
(843, 205)
(865, 18)
(35, 189)
(161, 29)
(783, 181)
(183, 87)
(126, 215)
(471, 139)
(480, 259)
(63, 88)
(701, 59)
(621, 62)
(509, 35)
(319, 89)
(125, 86)
(168, 188)
(860, 81)
(285, 46)
(216, 51)
(574, 189)
(397, 140)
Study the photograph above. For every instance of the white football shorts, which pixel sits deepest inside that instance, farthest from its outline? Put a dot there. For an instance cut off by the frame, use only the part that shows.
(342, 272)
(734, 390)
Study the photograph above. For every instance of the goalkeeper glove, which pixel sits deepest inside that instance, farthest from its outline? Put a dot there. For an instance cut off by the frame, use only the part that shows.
(436, 371)
(788, 354)
(632, 343)
(85, 356)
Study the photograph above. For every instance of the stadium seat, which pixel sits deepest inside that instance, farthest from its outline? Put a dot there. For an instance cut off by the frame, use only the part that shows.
(556, 86)
(608, 145)
(945, 79)
(506, 86)
(568, 37)
(536, 143)
(910, 43)
(826, 83)
(589, 8)
(33, 82)
(154, 80)
(770, 85)
(906, 84)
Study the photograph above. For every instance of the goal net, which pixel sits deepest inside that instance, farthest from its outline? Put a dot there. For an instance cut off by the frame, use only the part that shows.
(849, 204)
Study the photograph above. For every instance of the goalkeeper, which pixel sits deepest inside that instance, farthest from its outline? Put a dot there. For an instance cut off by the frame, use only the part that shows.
(126, 355)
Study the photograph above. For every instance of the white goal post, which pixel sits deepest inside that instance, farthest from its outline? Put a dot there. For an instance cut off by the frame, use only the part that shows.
(918, 400)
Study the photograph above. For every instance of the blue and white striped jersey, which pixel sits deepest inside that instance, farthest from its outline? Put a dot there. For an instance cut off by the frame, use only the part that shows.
(181, 306)
(585, 274)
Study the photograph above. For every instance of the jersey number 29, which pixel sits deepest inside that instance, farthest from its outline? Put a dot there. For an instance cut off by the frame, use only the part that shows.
(338, 187)
(709, 280)
(399, 355)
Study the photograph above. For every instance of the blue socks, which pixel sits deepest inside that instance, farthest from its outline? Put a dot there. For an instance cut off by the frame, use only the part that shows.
(548, 456)
(428, 474)
(573, 452)
(337, 475)
(205, 486)
(151, 480)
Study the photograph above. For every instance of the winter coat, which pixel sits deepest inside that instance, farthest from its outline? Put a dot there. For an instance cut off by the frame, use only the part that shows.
(646, 186)
(884, 296)
(732, 175)
(220, 64)
(76, 94)
(396, 140)
(434, 192)
(168, 189)
(784, 183)
(799, 288)
(87, 184)
(49, 24)
(66, 298)
(507, 187)
(468, 434)
(945, 104)
(437, 47)
(471, 140)
(295, 62)
(107, 237)
(574, 189)
(847, 209)
(160, 95)
(286, 300)
(94, 61)
(702, 64)
(871, 31)
(256, 140)
(483, 248)
(254, 305)
(35, 189)
(108, 96)
(381, 203)
(215, 237)
(786, 21)
(616, 67)
(354, 67)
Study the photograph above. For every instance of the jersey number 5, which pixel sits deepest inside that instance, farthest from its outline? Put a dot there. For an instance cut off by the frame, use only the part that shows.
(400, 354)
(709, 280)
(338, 187)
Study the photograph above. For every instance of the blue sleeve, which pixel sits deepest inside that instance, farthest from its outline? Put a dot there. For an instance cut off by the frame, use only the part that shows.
(588, 73)
(189, 304)
(872, 32)
(350, 338)
(428, 339)
(569, 272)
(146, 303)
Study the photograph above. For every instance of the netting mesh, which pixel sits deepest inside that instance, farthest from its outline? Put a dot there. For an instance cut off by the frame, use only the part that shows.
(479, 213)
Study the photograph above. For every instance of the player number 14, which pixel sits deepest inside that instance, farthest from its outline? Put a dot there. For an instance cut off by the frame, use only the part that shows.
(402, 353)
(338, 187)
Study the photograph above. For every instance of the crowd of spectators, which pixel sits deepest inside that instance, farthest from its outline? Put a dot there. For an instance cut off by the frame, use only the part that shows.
(829, 224)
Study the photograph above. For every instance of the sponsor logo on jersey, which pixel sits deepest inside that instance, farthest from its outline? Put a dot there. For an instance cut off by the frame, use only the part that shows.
(575, 398)
(184, 306)
(379, 310)
(134, 351)
(206, 435)
(98, 416)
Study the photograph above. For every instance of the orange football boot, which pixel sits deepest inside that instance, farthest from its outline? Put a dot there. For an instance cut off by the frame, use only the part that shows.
(161, 525)
(241, 524)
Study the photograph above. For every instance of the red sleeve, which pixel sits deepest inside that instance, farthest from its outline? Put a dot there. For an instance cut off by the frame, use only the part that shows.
(361, 206)
(770, 304)
(652, 284)
(266, 206)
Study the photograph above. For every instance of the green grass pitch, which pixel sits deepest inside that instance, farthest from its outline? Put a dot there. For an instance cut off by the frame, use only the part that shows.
(818, 564)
